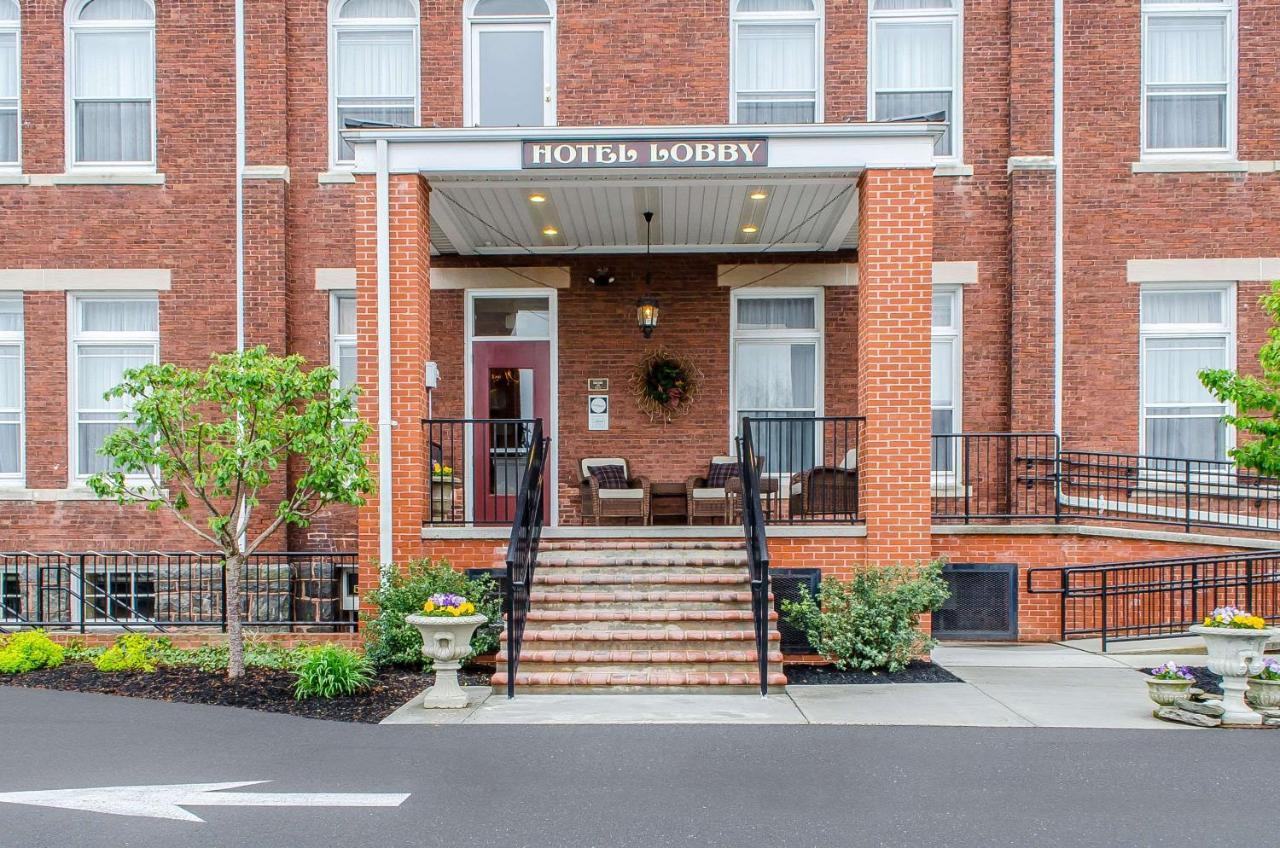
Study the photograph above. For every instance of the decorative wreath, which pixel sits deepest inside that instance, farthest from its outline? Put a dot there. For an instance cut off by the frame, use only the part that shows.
(665, 385)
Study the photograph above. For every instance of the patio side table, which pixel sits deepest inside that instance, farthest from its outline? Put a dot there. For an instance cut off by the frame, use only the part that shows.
(667, 501)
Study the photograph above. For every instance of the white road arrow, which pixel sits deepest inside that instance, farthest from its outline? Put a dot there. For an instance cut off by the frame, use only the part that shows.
(167, 801)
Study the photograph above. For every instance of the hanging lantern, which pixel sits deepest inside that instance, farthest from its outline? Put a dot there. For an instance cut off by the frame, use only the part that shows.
(647, 314)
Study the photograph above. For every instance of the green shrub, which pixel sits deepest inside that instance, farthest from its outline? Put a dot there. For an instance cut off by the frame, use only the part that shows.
(391, 641)
(213, 658)
(28, 651)
(330, 671)
(131, 652)
(870, 622)
(75, 651)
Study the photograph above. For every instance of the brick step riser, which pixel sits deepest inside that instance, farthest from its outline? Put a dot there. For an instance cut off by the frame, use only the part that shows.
(590, 614)
(693, 626)
(631, 668)
(632, 659)
(633, 568)
(553, 545)
(639, 682)
(612, 609)
(646, 645)
(642, 581)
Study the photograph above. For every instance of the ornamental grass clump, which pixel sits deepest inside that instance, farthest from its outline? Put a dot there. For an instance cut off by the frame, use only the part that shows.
(28, 651)
(1233, 618)
(332, 671)
(1172, 671)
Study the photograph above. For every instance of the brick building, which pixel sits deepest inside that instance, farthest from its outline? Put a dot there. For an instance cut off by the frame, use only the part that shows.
(894, 217)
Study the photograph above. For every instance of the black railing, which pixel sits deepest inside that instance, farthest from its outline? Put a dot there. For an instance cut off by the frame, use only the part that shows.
(158, 591)
(753, 526)
(979, 477)
(808, 467)
(476, 466)
(522, 550)
(1151, 599)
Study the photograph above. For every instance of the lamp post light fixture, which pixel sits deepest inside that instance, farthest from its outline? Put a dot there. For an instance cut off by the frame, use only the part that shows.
(647, 308)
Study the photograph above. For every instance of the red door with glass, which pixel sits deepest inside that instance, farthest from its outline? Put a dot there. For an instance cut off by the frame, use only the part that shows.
(511, 387)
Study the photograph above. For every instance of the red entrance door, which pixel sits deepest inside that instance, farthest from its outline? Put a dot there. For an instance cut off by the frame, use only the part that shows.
(511, 386)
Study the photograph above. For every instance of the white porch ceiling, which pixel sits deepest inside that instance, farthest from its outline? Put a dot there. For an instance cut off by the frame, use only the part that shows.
(495, 215)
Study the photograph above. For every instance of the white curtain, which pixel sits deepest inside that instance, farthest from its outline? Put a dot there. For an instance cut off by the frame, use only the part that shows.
(1182, 307)
(113, 88)
(346, 364)
(1183, 418)
(746, 6)
(10, 408)
(11, 315)
(1187, 75)
(119, 316)
(914, 73)
(99, 368)
(8, 93)
(776, 313)
(776, 376)
(776, 74)
(345, 325)
(376, 64)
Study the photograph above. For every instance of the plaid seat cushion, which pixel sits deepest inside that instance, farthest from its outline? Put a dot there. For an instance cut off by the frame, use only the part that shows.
(610, 476)
(720, 473)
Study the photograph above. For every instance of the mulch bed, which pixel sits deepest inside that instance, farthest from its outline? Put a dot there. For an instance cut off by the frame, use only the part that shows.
(819, 675)
(266, 689)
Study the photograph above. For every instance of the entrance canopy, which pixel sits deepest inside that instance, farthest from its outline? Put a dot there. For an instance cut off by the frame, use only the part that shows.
(557, 190)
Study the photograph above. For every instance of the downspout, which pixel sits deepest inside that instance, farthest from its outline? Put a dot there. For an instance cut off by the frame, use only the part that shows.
(1058, 182)
(382, 216)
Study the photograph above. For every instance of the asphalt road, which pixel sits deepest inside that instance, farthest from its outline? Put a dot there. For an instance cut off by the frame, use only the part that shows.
(646, 786)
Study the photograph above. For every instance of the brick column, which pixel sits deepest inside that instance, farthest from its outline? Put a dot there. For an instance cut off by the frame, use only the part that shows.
(410, 348)
(895, 298)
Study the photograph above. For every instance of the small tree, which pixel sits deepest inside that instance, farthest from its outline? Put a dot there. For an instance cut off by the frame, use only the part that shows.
(1256, 400)
(205, 445)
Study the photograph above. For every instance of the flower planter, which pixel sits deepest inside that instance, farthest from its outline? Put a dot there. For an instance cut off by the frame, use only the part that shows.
(446, 641)
(1165, 692)
(442, 497)
(1265, 694)
(1235, 654)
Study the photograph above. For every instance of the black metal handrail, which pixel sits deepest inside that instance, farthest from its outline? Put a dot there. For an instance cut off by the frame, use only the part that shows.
(476, 466)
(1150, 599)
(753, 528)
(522, 550)
(994, 476)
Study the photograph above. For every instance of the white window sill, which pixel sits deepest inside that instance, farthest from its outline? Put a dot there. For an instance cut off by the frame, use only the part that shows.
(13, 178)
(20, 493)
(98, 178)
(953, 169)
(1202, 166)
(336, 178)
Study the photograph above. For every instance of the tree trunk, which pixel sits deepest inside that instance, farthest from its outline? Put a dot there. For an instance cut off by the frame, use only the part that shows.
(235, 633)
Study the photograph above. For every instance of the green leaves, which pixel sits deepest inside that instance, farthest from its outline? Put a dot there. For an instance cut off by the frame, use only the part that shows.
(331, 671)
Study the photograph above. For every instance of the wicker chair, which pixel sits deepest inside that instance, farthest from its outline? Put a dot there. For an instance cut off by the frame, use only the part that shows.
(628, 503)
(827, 490)
(707, 501)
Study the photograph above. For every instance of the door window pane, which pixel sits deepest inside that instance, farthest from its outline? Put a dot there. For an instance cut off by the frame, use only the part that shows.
(512, 80)
(517, 317)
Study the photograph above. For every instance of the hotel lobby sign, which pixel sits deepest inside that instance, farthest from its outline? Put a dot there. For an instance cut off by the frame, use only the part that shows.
(648, 153)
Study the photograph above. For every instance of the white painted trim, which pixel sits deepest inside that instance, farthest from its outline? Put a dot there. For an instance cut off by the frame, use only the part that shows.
(1102, 531)
(1250, 269)
(803, 274)
(15, 27)
(14, 179)
(265, 172)
(382, 218)
(88, 177)
(336, 177)
(334, 279)
(97, 279)
(1199, 166)
(953, 169)
(500, 277)
(1031, 163)
(21, 493)
(1059, 206)
(658, 531)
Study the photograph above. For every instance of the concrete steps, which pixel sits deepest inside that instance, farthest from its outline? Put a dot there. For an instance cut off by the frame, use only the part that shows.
(641, 616)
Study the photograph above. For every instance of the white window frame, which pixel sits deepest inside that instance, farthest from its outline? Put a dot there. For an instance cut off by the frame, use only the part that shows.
(16, 338)
(816, 19)
(954, 17)
(954, 334)
(14, 103)
(472, 27)
(1208, 8)
(1226, 330)
(738, 335)
(338, 340)
(74, 26)
(336, 25)
(76, 340)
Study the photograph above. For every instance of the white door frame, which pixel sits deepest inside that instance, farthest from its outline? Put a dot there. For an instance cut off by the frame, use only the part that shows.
(474, 27)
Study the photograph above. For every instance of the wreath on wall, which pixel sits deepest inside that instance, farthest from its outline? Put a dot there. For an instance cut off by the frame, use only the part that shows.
(665, 385)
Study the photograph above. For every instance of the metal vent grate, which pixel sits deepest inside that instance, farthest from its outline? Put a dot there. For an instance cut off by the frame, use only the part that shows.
(788, 584)
(983, 602)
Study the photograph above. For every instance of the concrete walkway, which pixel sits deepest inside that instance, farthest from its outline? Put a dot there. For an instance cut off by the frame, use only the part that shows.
(1003, 686)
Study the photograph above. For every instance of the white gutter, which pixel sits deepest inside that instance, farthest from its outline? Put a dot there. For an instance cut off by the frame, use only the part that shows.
(1058, 182)
(382, 215)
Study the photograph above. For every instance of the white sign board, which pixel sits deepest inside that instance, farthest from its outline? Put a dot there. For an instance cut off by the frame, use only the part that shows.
(597, 412)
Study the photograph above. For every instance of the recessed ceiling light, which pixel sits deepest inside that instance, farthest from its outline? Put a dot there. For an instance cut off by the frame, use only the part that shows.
(750, 228)
(759, 195)
(550, 231)
(537, 198)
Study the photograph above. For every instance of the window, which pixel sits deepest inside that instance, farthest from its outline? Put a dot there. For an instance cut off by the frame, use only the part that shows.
(111, 84)
(777, 372)
(1188, 76)
(120, 596)
(11, 383)
(10, 595)
(343, 331)
(916, 61)
(1185, 330)
(777, 62)
(10, 87)
(373, 67)
(511, 66)
(946, 379)
(109, 335)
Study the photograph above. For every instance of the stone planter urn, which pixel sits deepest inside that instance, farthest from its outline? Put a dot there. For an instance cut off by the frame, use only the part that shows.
(442, 497)
(1165, 692)
(1235, 654)
(446, 641)
(1264, 694)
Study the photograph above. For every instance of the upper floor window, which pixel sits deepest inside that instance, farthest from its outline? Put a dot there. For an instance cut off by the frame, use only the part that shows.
(947, 372)
(1188, 76)
(10, 88)
(777, 62)
(111, 83)
(373, 67)
(11, 382)
(511, 63)
(342, 333)
(916, 62)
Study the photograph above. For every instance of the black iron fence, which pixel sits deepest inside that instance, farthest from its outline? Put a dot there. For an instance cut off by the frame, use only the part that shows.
(983, 477)
(158, 591)
(477, 466)
(522, 549)
(1143, 600)
(753, 526)
(807, 467)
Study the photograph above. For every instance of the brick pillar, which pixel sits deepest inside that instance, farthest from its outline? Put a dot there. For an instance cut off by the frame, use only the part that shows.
(895, 298)
(410, 348)
(1031, 330)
